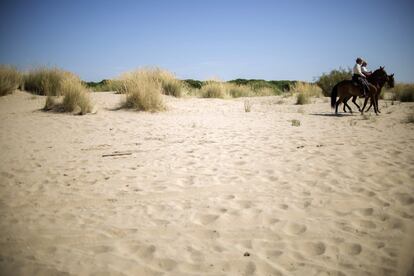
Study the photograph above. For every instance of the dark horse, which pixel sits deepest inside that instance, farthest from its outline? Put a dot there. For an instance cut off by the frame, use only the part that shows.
(346, 89)
(379, 80)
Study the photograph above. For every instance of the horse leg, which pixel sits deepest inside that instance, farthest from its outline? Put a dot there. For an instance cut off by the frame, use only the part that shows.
(365, 104)
(350, 109)
(345, 105)
(376, 101)
(337, 104)
(370, 105)
(354, 101)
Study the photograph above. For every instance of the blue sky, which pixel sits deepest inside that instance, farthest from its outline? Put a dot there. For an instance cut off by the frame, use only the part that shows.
(292, 39)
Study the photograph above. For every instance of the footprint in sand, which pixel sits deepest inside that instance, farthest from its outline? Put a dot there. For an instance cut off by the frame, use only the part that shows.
(205, 219)
(294, 228)
(352, 249)
(283, 206)
(367, 224)
(404, 199)
(366, 211)
(314, 248)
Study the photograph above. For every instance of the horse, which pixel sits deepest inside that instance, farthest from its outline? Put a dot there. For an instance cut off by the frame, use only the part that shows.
(378, 78)
(345, 90)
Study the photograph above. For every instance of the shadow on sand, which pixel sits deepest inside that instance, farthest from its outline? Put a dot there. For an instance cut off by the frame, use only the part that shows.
(333, 114)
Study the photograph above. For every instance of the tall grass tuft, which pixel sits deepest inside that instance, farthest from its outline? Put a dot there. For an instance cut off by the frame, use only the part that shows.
(10, 79)
(305, 91)
(267, 91)
(214, 89)
(75, 96)
(142, 91)
(404, 92)
(45, 81)
(237, 91)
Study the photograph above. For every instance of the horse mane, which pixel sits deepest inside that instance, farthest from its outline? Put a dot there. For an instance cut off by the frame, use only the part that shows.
(379, 75)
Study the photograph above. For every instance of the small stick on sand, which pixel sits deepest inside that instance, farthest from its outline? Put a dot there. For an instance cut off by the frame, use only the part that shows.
(117, 154)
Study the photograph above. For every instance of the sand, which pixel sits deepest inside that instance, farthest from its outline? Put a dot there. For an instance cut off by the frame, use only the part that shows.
(206, 189)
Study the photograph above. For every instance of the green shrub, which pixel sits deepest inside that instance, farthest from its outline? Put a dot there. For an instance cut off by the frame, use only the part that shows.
(10, 79)
(103, 85)
(195, 84)
(44, 81)
(213, 89)
(327, 81)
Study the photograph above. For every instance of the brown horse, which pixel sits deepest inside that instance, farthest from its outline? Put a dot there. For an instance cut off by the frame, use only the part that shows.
(347, 89)
(378, 79)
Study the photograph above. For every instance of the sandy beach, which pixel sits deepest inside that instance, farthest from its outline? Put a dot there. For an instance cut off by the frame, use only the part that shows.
(205, 188)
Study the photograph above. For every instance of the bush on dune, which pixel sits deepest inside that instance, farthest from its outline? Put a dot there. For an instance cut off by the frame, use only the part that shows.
(214, 89)
(75, 98)
(237, 91)
(143, 92)
(45, 81)
(10, 79)
(327, 81)
(305, 91)
(404, 92)
(169, 84)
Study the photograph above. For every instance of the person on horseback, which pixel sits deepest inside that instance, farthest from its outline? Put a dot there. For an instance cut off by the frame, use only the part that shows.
(364, 69)
(359, 77)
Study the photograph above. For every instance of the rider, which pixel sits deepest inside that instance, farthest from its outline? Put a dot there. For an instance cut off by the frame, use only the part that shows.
(359, 77)
(364, 69)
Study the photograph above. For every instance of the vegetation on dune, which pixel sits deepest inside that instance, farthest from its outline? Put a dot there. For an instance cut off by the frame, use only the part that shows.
(142, 91)
(103, 86)
(195, 84)
(47, 81)
(237, 91)
(257, 84)
(10, 79)
(75, 98)
(404, 92)
(328, 80)
(305, 91)
(169, 84)
(214, 89)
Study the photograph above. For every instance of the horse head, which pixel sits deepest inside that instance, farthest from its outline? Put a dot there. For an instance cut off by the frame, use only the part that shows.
(390, 80)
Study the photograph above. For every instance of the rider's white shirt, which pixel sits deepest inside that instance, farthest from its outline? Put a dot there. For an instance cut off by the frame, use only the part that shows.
(357, 70)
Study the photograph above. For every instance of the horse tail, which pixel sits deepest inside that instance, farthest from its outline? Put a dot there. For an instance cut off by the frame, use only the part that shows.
(334, 94)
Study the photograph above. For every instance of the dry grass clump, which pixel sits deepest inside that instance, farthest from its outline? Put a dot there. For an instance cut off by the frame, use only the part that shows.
(10, 79)
(247, 106)
(143, 92)
(295, 122)
(213, 89)
(75, 98)
(404, 92)
(169, 84)
(305, 91)
(237, 91)
(45, 81)
(266, 91)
